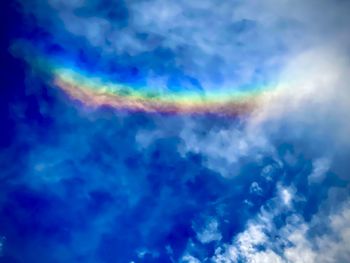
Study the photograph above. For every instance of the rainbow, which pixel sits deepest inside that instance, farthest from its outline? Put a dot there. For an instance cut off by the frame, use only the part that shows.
(99, 91)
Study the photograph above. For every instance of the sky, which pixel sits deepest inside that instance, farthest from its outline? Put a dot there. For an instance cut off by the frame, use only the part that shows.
(175, 131)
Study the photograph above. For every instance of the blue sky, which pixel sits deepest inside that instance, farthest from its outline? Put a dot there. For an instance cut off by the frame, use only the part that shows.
(100, 184)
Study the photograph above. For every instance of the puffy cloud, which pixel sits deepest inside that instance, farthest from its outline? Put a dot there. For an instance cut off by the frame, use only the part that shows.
(210, 232)
(189, 259)
(320, 168)
(255, 188)
(225, 147)
(295, 241)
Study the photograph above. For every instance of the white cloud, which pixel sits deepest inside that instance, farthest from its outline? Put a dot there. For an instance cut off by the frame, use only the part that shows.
(255, 188)
(286, 196)
(308, 108)
(262, 241)
(320, 167)
(224, 148)
(329, 247)
(210, 232)
(189, 259)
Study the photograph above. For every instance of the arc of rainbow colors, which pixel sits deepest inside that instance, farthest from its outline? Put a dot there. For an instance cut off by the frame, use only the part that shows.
(99, 91)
